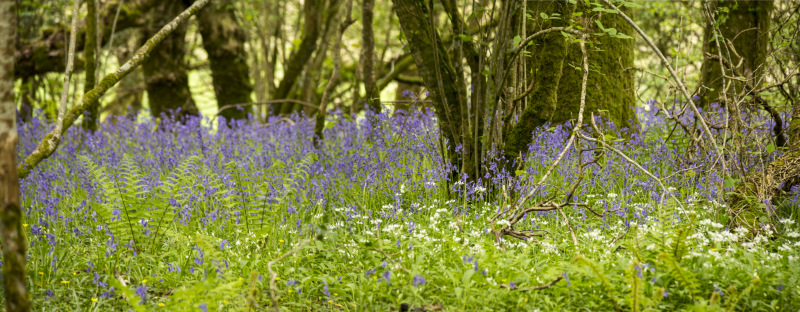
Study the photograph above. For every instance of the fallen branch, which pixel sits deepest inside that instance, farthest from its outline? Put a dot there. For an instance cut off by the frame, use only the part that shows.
(50, 142)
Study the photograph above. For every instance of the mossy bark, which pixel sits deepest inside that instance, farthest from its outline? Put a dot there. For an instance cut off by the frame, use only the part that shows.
(129, 93)
(165, 71)
(556, 69)
(47, 53)
(747, 25)
(223, 40)
(445, 84)
(552, 52)
(609, 90)
(11, 231)
(91, 117)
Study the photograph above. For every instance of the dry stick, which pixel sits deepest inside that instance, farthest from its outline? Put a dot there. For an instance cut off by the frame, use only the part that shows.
(68, 72)
(273, 275)
(50, 142)
(575, 131)
(674, 75)
(110, 37)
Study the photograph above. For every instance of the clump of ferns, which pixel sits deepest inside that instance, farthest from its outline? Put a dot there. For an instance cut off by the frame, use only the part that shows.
(510, 214)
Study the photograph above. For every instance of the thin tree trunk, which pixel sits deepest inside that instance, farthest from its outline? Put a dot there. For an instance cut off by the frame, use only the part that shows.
(91, 118)
(223, 40)
(13, 240)
(335, 73)
(440, 77)
(368, 55)
(308, 44)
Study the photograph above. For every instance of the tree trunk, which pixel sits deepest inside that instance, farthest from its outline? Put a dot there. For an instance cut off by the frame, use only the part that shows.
(437, 71)
(555, 64)
(46, 53)
(301, 55)
(91, 117)
(166, 71)
(552, 51)
(11, 233)
(223, 40)
(368, 55)
(747, 25)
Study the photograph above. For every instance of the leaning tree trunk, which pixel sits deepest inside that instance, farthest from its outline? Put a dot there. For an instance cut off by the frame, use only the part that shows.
(166, 70)
(13, 240)
(223, 40)
(747, 25)
(300, 56)
(440, 77)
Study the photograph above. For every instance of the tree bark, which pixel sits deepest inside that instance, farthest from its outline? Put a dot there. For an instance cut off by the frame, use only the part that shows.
(223, 40)
(440, 77)
(46, 54)
(747, 25)
(610, 93)
(368, 55)
(11, 232)
(300, 56)
(165, 71)
(91, 117)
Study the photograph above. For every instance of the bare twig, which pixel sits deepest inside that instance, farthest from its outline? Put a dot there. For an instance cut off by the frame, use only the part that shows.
(62, 109)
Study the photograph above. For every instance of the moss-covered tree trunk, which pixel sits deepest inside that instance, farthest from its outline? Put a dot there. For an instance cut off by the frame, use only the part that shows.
(165, 71)
(440, 77)
(11, 232)
(368, 55)
(551, 53)
(747, 25)
(609, 91)
(91, 117)
(555, 69)
(223, 40)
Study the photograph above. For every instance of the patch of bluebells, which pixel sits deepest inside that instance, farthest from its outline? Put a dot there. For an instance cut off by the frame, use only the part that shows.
(371, 153)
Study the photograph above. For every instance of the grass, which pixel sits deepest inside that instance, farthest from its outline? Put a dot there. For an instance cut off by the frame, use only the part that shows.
(168, 217)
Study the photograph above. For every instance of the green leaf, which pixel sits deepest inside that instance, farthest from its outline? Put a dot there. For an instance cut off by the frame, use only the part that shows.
(623, 36)
(485, 72)
(599, 25)
(770, 148)
(520, 172)
(731, 182)
(465, 38)
(611, 31)
(576, 14)
(517, 40)
(543, 15)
